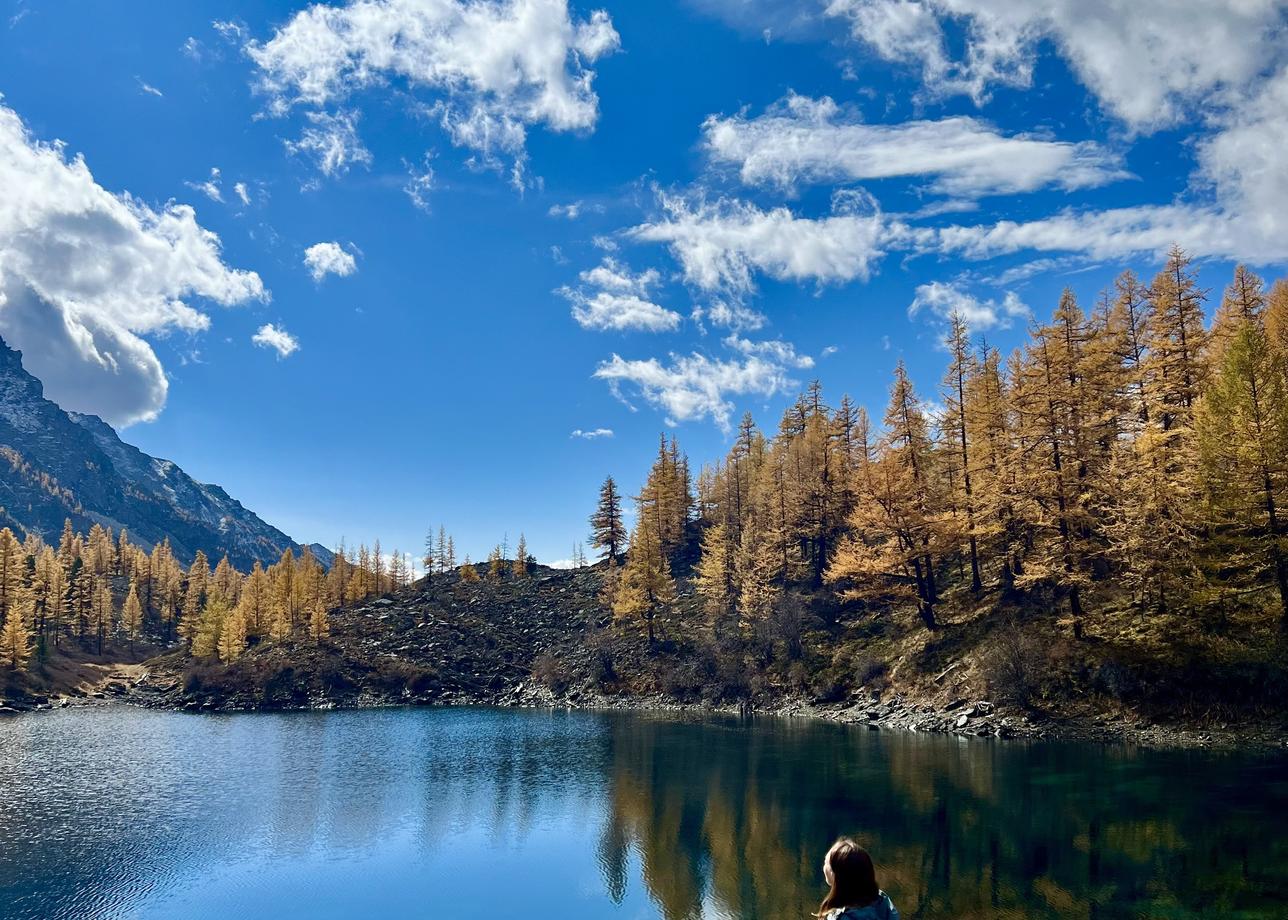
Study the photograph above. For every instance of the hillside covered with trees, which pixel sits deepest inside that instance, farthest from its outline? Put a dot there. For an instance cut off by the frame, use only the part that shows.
(1091, 524)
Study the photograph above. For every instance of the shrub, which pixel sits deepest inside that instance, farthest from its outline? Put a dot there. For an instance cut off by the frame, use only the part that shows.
(1014, 666)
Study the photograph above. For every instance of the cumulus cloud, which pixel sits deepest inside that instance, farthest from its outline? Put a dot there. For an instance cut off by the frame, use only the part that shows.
(276, 338)
(943, 299)
(692, 387)
(803, 140)
(325, 259)
(492, 69)
(612, 297)
(592, 434)
(721, 245)
(85, 274)
(1149, 62)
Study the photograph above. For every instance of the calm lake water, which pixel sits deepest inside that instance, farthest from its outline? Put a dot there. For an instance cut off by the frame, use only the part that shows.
(117, 812)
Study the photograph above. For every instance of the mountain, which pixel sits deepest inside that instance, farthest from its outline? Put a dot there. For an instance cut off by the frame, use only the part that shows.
(56, 465)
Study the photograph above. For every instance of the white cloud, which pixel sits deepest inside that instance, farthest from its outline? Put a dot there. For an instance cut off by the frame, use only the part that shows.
(1149, 62)
(1247, 164)
(592, 434)
(211, 187)
(229, 30)
(85, 274)
(494, 68)
(775, 349)
(814, 140)
(694, 386)
(572, 210)
(325, 259)
(611, 297)
(276, 338)
(149, 89)
(943, 299)
(420, 182)
(242, 193)
(332, 141)
(721, 245)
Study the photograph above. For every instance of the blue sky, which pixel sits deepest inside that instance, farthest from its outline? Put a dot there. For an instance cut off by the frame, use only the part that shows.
(445, 236)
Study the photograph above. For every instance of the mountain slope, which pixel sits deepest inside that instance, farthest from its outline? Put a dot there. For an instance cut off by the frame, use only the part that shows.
(56, 465)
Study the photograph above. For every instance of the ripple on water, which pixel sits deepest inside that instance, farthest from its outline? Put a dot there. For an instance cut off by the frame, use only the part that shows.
(116, 812)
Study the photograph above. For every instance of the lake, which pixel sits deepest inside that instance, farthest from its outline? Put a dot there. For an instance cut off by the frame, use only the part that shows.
(118, 812)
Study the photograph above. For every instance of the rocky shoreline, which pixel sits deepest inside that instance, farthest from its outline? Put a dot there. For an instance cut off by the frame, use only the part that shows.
(978, 719)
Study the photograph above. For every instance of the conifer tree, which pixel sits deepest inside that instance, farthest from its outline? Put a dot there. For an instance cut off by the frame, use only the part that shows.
(132, 616)
(256, 601)
(955, 425)
(210, 625)
(1175, 339)
(645, 589)
(11, 571)
(1242, 427)
(1276, 318)
(608, 532)
(468, 572)
(102, 612)
(194, 600)
(15, 640)
(495, 563)
(430, 559)
(232, 635)
(714, 581)
(520, 565)
(319, 621)
(890, 552)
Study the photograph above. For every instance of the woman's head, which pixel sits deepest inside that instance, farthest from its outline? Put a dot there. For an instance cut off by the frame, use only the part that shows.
(852, 880)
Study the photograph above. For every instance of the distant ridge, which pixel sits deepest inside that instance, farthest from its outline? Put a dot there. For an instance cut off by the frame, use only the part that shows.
(56, 465)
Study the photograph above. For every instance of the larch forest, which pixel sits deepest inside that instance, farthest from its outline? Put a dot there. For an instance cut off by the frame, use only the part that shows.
(1100, 511)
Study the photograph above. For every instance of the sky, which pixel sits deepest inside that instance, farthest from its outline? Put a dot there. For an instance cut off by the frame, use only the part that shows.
(378, 265)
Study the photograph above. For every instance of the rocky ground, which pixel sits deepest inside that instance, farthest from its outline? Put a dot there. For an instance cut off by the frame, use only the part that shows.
(547, 640)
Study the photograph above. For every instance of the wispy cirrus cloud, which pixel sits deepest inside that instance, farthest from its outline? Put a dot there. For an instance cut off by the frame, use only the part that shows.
(801, 140)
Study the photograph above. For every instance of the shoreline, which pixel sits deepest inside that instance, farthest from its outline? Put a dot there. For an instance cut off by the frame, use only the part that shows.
(978, 719)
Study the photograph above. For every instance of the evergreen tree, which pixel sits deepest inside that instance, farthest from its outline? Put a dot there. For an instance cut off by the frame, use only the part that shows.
(608, 532)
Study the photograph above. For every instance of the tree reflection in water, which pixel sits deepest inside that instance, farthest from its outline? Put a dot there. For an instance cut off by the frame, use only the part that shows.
(732, 820)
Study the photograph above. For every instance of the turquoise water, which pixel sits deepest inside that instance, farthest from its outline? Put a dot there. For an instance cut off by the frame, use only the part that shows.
(117, 812)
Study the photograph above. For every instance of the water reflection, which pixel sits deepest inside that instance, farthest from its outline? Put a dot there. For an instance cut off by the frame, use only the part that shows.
(480, 813)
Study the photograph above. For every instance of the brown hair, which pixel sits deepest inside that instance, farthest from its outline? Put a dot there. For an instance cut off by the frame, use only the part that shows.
(853, 878)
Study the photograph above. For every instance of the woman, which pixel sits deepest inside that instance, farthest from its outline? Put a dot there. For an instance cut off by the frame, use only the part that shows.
(854, 894)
